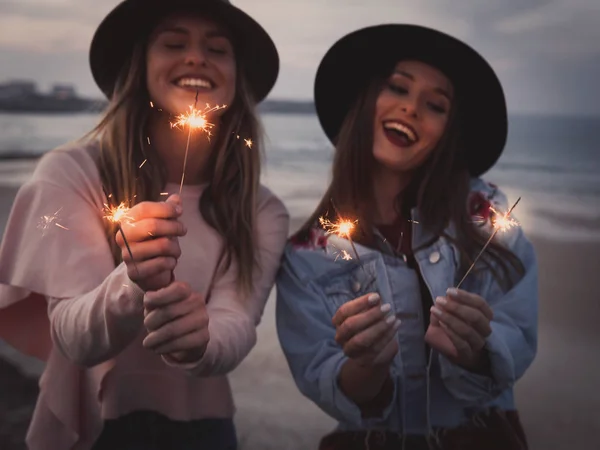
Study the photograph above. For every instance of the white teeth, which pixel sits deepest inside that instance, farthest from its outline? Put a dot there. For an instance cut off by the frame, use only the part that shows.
(402, 128)
(194, 82)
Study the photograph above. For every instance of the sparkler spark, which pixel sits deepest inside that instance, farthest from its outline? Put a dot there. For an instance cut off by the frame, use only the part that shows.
(248, 143)
(194, 119)
(117, 215)
(47, 221)
(501, 222)
(342, 228)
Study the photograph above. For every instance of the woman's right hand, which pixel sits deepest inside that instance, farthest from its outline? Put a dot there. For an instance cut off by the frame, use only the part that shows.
(152, 232)
(366, 332)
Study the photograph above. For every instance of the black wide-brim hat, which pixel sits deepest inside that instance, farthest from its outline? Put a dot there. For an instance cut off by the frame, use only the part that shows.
(115, 38)
(353, 61)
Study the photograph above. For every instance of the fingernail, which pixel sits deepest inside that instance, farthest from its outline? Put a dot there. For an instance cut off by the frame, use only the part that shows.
(452, 291)
(397, 324)
(373, 298)
(178, 209)
(436, 311)
(441, 300)
(386, 308)
(390, 319)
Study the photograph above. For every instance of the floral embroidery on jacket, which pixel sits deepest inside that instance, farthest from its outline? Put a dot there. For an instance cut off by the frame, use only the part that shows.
(313, 239)
(481, 206)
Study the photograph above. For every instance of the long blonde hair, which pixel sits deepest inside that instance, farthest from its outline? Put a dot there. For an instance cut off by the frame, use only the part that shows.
(228, 202)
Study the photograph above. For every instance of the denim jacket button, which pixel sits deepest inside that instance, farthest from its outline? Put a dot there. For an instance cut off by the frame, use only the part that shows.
(434, 257)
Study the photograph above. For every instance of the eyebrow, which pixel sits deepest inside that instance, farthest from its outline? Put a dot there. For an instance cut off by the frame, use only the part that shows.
(411, 77)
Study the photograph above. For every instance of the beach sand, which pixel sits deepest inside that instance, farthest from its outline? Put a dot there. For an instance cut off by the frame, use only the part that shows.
(558, 397)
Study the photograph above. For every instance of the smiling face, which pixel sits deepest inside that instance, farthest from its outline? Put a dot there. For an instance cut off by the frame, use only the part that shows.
(189, 54)
(411, 114)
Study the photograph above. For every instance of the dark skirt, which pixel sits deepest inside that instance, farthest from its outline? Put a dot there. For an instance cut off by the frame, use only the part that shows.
(146, 430)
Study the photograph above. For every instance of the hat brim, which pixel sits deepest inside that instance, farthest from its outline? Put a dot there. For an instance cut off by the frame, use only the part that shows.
(115, 38)
(351, 63)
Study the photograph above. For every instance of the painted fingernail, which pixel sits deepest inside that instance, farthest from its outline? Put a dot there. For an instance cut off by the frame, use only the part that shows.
(386, 308)
(441, 300)
(390, 319)
(373, 298)
(452, 291)
(436, 311)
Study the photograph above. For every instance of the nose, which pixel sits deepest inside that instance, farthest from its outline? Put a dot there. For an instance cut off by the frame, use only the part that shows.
(409, 107)
(195, 56)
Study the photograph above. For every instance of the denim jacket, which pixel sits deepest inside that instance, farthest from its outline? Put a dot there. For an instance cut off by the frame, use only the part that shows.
(314, 281)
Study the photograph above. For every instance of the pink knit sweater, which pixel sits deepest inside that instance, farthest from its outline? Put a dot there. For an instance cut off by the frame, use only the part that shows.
(63, 301)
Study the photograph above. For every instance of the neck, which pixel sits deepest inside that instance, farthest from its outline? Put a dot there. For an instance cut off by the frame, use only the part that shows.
(387, 186)
(170, 145)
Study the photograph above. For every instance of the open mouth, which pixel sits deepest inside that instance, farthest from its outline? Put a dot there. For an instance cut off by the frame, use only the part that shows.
(400, 133)
(194, 83)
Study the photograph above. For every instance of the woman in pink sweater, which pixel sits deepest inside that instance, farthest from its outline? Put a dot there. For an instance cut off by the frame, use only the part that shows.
(122, 332)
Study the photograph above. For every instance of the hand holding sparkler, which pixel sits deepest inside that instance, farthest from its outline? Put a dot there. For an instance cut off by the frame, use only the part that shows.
(177, 322)
(366, 329)
(152, 249)
(460, 321)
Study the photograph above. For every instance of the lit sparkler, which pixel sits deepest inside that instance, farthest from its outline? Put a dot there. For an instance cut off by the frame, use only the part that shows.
(342, 228)
(500, 222)
(116, 215)
(47, 221)
(194, 120)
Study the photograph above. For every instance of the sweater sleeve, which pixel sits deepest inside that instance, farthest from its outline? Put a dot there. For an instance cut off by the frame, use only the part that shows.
(55, 247)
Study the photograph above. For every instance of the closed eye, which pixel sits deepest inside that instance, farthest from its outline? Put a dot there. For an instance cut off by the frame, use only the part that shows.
(397, 89)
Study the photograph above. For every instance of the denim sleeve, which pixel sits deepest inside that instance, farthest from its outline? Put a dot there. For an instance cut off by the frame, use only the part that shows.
(307, 338)
(512, 345)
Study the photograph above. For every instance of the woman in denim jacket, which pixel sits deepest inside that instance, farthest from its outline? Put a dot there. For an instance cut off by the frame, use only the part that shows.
(373, 329)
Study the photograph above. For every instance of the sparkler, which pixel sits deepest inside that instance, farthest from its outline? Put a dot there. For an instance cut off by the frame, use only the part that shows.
(116, 215)
(501, 222)
(342, 228)
(194, 120)
(47, 221)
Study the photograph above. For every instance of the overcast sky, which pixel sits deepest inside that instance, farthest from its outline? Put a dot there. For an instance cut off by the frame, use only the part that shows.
(546, 53)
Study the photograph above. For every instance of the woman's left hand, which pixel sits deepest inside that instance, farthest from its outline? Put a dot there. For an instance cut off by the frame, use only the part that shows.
(177, 322)
(460, 324)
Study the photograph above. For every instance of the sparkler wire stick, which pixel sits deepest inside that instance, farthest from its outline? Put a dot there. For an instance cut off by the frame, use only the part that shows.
(187, 147)
(486, 244)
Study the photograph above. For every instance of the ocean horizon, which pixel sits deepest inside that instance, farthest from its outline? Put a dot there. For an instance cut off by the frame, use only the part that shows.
(551, 162)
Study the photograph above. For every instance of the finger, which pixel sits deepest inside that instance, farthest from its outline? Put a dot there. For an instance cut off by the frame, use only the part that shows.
(354, 307)
(173, 293)
(152, 228)
(459, 327)
(381, 344)
(142, 251)
(462, 346)
(364, 341)
(359, 322)
(472, 316)
(154, 210)
(176, 329)
(146, 269)
(156, 318)
(472, 300)
(174, 199)
(196, 339)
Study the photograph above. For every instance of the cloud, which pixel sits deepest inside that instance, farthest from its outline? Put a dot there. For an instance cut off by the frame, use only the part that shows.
(51, 36)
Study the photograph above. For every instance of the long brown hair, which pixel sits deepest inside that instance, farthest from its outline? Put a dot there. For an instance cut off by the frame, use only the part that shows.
(227, 203)
(439, 188)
